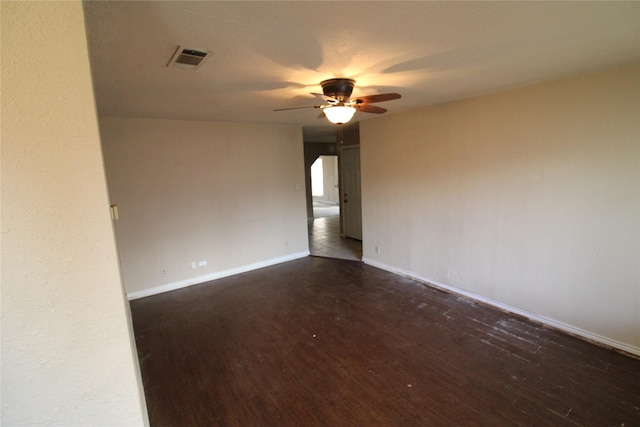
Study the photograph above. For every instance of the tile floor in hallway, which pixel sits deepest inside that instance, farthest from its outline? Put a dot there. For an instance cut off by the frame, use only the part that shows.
(324, 235)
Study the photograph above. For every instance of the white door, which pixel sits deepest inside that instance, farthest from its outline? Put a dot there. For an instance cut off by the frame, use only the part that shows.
(351, 203)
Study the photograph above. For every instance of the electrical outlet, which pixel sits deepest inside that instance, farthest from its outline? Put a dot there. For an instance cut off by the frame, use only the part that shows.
(164, 272)
(377, 249)
(202, 263)
(193, 265)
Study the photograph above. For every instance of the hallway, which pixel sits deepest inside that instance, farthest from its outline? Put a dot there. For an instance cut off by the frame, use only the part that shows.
(324, 235)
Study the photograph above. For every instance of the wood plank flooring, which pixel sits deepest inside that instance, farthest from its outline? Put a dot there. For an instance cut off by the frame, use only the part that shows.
(328, 342)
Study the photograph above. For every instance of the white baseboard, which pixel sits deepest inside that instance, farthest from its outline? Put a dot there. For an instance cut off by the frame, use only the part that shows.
(570, 329)
(213, 276)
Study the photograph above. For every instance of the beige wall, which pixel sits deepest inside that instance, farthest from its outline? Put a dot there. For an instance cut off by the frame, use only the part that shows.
(330, 179)
(528, 198)
(230, 194)
(67, 356)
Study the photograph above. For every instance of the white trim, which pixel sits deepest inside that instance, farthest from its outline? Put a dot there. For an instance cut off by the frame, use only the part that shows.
(213, 276)
(564, 327)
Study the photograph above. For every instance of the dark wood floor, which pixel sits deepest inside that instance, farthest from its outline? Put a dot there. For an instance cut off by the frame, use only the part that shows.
(326, 342)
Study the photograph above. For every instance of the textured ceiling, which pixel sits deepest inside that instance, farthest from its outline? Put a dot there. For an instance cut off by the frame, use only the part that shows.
(269, 55)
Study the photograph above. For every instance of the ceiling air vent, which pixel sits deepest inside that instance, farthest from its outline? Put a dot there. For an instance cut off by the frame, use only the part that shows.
(190, 59)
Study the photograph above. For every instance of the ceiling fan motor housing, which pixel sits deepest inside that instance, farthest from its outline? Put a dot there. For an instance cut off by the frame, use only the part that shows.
(339, 89)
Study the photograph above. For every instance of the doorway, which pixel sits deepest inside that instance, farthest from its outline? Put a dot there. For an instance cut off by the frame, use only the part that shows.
(326, 238)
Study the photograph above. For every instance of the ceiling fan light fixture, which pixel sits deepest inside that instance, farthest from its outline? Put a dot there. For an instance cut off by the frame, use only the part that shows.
(339, 114)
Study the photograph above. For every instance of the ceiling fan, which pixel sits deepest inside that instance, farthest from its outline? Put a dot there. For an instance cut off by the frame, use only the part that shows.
(339, 107)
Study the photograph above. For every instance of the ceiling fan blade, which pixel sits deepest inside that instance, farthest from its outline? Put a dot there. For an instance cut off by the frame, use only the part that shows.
(366, 108)
(370, 99)
(297, 108)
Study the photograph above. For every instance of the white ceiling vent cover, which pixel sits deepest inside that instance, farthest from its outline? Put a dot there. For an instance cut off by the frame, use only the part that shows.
(188, 58)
